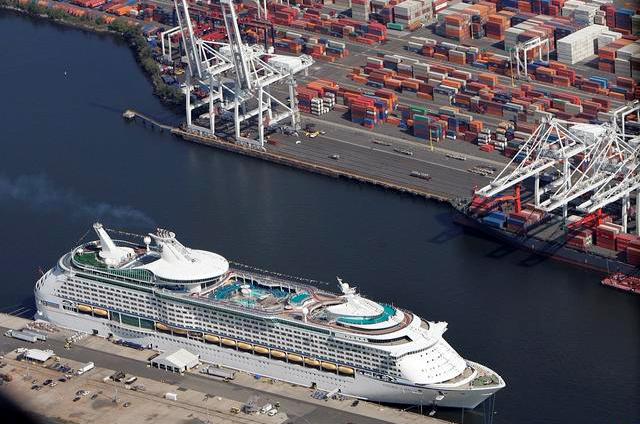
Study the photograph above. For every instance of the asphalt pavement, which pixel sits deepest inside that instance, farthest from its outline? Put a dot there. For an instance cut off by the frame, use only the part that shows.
(298, 411)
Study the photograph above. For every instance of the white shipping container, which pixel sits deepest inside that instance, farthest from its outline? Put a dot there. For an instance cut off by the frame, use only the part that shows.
(578, 45)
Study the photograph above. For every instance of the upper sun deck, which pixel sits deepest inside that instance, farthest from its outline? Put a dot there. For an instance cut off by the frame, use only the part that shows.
(167, 261)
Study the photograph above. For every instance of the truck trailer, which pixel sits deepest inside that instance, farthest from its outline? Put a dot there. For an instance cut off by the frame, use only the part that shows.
(21, 336)
(86, 367)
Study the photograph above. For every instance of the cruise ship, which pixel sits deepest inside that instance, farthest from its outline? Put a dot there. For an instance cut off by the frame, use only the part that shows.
(154, 291)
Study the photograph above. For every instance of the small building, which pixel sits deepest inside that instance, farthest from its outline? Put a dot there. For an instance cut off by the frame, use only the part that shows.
(178, 361)
(38, 355)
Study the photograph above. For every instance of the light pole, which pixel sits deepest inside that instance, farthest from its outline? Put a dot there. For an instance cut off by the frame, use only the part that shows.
(206, 405)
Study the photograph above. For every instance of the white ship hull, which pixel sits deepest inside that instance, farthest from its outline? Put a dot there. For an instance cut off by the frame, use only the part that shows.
(359, 386)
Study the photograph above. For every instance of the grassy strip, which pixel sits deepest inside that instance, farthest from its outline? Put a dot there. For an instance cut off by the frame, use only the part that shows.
(132, 34)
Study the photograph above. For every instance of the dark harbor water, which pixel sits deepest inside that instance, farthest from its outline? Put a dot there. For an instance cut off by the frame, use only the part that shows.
(568, 348)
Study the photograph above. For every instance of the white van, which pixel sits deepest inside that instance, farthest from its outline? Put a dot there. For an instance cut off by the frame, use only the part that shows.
(266, 408)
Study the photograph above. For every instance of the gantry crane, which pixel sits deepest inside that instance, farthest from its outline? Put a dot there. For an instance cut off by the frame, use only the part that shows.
(237, 79)
(519, 54)
(590, 166)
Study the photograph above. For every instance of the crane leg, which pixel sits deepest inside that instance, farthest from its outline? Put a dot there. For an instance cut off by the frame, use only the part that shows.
(260, 117)
(638, 213)
(212, 116)
(236, 119)
(625, 205)
(187, 102)
(292, 103)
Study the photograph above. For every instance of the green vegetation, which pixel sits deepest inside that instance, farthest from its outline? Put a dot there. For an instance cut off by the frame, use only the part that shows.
(89, 259)
(132, 35)
(169, 95)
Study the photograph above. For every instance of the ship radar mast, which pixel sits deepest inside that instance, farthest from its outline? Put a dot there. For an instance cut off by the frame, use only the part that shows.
(171, 249)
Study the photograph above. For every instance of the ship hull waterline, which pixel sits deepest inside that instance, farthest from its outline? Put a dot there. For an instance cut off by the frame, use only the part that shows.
(358, 386)
(544, 249)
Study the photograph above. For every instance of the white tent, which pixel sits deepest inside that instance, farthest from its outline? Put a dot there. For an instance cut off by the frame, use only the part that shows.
(178, 361)
(38, 355)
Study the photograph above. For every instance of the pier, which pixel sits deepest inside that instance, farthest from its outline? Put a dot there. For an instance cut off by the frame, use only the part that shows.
(133, 115)
(358, 159)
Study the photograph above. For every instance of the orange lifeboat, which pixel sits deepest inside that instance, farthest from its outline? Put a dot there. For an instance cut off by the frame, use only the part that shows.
(346, 370)
(292, 357)
(244, 346)
(84, 309)
(179, 331)
(210, 338)
(100, 312)
(278, 354)
(310, 362)
(261, 350)
(229, 342)
(162, 327)
(328, 366)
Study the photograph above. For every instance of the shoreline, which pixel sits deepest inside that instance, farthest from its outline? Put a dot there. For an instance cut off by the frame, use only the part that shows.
(170, 97)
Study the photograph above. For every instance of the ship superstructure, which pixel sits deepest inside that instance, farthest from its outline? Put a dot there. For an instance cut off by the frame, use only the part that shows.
(153, 290)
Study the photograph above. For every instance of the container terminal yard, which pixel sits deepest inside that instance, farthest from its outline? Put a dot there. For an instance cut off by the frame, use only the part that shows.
(485, 105)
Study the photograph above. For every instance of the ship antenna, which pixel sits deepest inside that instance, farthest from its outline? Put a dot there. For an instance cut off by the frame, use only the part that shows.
(83, 236)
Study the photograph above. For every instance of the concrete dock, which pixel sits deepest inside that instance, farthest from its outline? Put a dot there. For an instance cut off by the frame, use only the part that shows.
(362, 160)
(200, 398)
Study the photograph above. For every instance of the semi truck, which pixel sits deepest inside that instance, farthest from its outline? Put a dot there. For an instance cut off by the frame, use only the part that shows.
(86, 367)
(39, 336)
(216, 371)
(21, 336)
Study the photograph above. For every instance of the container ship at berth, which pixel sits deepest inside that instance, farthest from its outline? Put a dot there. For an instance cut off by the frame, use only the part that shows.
(545, 235)
(569, 194)
(153, 290)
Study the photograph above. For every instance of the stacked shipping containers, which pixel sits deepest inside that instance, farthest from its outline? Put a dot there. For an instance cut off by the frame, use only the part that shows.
(579, 45)
(409, 14)
(360, 10)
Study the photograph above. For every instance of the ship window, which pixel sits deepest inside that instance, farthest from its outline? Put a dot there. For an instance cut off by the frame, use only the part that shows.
(145, 323)
(129, 320)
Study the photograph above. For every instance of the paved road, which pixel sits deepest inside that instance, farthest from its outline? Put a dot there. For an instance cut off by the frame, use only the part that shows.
(298, 411)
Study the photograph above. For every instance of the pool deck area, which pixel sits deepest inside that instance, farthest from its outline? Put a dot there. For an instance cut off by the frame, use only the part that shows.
(270, 295)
